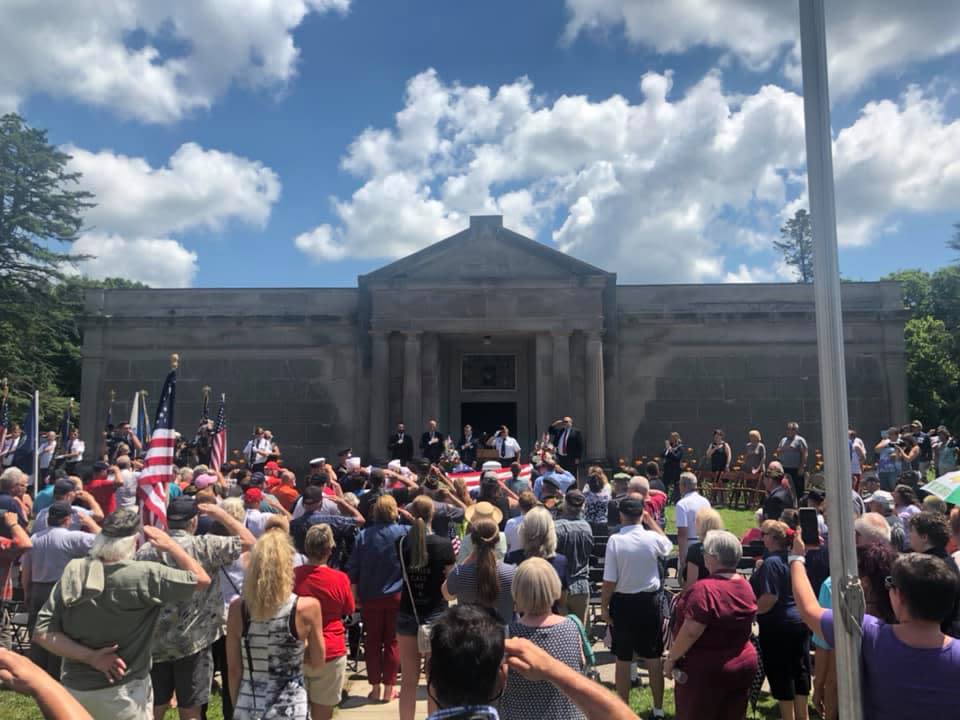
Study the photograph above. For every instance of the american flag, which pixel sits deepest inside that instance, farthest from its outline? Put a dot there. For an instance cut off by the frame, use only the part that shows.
(218, 454)
(158, 462)
(472, 479)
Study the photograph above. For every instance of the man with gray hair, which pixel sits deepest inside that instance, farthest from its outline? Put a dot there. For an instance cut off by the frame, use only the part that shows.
(691, 502)
(575, 542)
(871, 528)
(186, 630)
(102, 613)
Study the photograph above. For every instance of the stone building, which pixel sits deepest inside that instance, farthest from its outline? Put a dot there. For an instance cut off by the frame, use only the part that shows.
(488, 326)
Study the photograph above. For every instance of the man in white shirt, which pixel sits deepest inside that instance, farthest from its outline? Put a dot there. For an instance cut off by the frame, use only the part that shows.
(10, 444)
(47, 449)
(75, 449)
(690, 503)
(630, 595)
(858, 453)
(527, 501)
(508, 449)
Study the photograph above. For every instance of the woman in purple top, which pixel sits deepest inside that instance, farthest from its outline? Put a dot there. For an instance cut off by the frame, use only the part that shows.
(910, 669)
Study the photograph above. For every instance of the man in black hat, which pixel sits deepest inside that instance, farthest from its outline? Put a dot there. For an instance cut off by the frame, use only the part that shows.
(575, 542)
(85, 516)
(101, 615)
(187, 630)
(42, 565)
(630, 595)
(344, 520)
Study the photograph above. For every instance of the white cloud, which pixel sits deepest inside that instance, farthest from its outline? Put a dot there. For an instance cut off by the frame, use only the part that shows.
(634, 185)
(780, 272)
(664, 189)
(197, 188)
(139, 207)
(158, 262)
(865, 38)
(154, 61)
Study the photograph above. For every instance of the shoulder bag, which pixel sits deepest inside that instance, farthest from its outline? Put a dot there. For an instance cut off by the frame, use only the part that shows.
(423, 629)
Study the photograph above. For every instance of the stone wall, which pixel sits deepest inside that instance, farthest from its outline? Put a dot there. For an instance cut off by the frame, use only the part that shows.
(695, 358)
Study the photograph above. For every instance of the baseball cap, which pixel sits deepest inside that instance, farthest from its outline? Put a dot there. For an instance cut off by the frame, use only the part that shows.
(574, 498)
(622, 477)
(100, 466)
(253, 494)
(181, 509)
(121, 523)
(258, 478)
(204, 481)
(631, 507)
(345, 452)
(62, 487)
(816, 495)
(59, 511)
(880, 496)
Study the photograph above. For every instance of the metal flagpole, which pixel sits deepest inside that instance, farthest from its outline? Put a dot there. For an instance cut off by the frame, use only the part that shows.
(848, 600)
(36, 442)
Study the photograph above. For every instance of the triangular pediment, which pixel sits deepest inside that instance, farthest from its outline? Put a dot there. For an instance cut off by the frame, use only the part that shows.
(485, 253)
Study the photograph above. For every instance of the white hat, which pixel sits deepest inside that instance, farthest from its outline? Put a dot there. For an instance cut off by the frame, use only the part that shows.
(353, 463)
(318, 461)
(491, 465)
(394, 465)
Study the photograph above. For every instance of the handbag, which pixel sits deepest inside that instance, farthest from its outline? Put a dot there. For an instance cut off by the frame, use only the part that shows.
(423, 629)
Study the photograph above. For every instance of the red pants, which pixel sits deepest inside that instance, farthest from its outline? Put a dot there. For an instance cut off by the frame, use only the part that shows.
(380, 646)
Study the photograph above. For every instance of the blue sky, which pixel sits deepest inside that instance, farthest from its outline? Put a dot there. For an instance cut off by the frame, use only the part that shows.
(692, 173)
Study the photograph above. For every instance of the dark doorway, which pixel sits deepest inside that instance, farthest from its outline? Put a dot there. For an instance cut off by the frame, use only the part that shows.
(487, 417)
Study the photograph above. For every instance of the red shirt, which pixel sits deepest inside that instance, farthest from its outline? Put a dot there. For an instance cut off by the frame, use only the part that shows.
(104, 491)
(287, 496)
(332, 588)
(655, 504)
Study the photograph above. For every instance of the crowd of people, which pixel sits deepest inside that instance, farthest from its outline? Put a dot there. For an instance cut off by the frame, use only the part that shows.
(265, 583)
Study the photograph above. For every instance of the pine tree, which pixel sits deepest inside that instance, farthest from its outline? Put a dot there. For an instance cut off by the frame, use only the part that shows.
(797, 244)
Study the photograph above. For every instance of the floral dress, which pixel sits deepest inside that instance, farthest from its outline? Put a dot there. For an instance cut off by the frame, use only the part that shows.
(275, 655)
(595, 508)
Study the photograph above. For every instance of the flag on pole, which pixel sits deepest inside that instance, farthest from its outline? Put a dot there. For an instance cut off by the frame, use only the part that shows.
(23, 455)
(135, 414)
(4, 418)
(218, 454)
(158, 462)
(143, 421)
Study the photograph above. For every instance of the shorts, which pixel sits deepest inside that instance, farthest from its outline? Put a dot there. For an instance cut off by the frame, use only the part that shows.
(637, 626)
(190, 677)
(324, 684)
(785, 650)
(133, 700)
(407, 624)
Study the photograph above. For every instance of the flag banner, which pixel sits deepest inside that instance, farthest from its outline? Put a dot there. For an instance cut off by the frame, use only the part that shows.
(23, 456)
(135, 415)
(143, 422)
(218, 454)
(205, 413)
(4, 419)
(472, 479)
(158, 462)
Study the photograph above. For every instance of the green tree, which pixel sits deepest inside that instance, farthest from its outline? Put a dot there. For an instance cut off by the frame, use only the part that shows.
(932, 370)
(797, 244)
(954, 242)
(916, 290)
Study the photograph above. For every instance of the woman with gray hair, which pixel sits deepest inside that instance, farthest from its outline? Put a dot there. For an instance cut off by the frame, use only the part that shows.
(711, 637)
(538, 538)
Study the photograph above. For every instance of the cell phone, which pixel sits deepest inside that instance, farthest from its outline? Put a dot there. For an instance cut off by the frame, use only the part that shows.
(809, 527)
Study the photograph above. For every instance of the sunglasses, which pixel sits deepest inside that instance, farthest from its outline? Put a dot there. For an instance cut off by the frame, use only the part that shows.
(889, 582)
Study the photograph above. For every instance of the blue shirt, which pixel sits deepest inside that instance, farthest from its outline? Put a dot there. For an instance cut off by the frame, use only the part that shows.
(43, 499)
(374, 566)
(40, 523)
(559, 477)
(773, 578)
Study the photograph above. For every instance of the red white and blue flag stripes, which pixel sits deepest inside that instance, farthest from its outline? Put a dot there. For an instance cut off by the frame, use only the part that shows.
(158, 462)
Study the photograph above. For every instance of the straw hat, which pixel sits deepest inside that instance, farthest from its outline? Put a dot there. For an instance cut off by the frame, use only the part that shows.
(484, 511)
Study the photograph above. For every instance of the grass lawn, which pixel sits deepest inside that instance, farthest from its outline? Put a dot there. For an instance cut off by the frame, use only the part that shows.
(641, 704)
(736, 521)
(18, 707)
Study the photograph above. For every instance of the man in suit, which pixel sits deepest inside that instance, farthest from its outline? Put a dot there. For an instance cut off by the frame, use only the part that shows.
(431, 443)
(569, 444)
(400, 446)
(468, 447)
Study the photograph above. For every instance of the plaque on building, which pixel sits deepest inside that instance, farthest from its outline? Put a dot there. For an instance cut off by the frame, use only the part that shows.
(489, 372)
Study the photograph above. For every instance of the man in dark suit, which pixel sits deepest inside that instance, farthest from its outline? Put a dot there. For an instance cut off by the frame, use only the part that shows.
(569, 444)
(400, 446)
(467, 447)
(431, 442)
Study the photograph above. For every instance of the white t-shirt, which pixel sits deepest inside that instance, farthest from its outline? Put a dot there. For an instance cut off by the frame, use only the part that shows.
(46, 454)
(632, 559)
(76, 446)
(855, 467)
(512, 531)
(256, 522)
(126, 492)
(687, 509)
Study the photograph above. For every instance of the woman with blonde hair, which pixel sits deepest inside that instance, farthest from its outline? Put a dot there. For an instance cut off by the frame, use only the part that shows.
(271, 634)
(536, 590)
(707, 519)
(425, 561)
(331, 588)
(374, 570)
(538, 538)
(754, 457)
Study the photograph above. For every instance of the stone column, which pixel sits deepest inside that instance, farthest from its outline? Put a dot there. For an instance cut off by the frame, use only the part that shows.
(595, 427)
(411, 382)
(544, 382)
(561, 373)
(92, 390)
(379, 393)
(431, 382)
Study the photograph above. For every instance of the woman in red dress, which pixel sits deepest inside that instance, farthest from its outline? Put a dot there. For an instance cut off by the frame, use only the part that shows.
(711, 644)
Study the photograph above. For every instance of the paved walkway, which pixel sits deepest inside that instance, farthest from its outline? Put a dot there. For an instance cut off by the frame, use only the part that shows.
(357, 707)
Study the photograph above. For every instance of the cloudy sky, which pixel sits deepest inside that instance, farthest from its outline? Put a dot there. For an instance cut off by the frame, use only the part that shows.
(302, 142)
